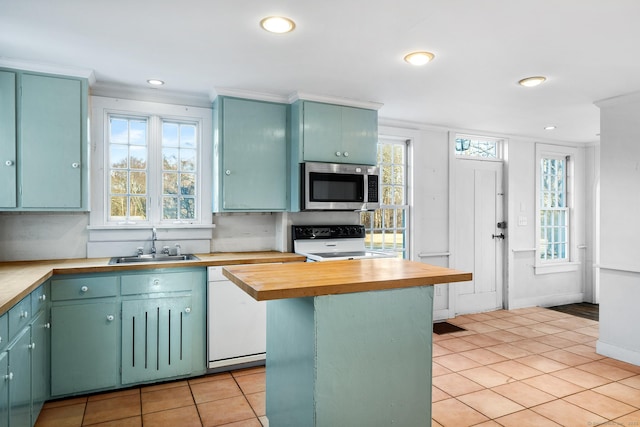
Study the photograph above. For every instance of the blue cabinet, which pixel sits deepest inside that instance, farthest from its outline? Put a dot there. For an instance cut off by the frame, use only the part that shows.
(114, 330)
(43, 142)
(8, 140)
(333, 133)
(250, 155)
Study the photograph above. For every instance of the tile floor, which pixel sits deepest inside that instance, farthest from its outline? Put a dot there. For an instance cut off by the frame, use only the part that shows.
(526, 367)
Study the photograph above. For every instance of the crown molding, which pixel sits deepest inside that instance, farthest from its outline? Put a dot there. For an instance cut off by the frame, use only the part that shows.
(370, 105)
(114, 90)
(21, 64)
(247, 94)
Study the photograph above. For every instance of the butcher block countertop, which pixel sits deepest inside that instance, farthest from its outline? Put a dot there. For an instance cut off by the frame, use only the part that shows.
(295, 280)
(19, 278)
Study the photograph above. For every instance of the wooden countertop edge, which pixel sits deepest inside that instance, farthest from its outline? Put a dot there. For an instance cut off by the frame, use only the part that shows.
(37, 272)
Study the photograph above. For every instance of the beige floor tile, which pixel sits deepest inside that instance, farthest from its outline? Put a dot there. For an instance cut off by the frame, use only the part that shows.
(258, 402)
(607, 371)
(452, 412)
(524, 394)
(184, 417)
(526, 332)
(215, 390)
(629, 420)
(264, 421)
(489, 423)
(567, 414)
(555, 341)
(164, 386)
(533, 346)
(575, 336)
(249, 371)
(458, 345)
(115, 408)
(526, 418)
(541, 363)
(491, 404)
(553, 385)
(455, 384)
(515, 370)
(166, 398)
(212, 377)
(620, 364)
(112, 394)
(225, 411)
(480, 317)
(456, 362)
(566, 357)
(65, 402)
(479, 327)
(593, 331)
(253, 383)
(586, 351)
(599, 404)
(632, 381)
(501, 323)
(125, 422)
(483, 356)
(434, 423)
(437, 370)
(581, 378)
(522, 321)
(572, 322)
(438, 350)
(253, 422)
(481, 340)
(61, 416)
(509, 351)
(621, 392)
(438, 395)
(541, 316)
(504, 336)
(486, 377)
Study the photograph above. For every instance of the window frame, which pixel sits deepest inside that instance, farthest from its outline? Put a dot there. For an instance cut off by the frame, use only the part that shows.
(155, 113)
(405, 207)
(569, 263)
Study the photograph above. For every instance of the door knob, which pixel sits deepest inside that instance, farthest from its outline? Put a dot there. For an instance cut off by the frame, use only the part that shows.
(497, 236)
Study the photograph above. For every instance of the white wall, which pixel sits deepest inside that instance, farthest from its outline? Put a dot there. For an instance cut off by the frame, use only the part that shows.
(620, 228)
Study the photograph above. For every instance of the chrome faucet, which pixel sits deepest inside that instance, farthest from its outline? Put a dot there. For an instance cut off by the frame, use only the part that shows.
(154, 237)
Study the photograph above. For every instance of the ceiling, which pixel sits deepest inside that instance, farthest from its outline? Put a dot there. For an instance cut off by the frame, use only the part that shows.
(588, 50)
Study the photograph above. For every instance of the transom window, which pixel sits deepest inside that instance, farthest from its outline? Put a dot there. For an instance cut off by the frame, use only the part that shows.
(153, 163)
(387, 226)
(471, 146)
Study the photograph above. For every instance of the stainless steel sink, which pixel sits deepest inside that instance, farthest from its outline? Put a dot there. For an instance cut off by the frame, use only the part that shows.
(151, 258)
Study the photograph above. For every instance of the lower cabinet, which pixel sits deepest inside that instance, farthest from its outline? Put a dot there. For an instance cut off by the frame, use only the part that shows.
(20, 380)
(84, 338)
(114, 330)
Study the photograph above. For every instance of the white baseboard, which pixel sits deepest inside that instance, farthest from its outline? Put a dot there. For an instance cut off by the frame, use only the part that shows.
(618, 353)
(547, 300)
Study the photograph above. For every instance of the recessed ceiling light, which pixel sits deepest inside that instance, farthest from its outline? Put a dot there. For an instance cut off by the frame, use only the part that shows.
(155, 82)
(419, 58)
(532, 81)
(549, 127)
(277, 24)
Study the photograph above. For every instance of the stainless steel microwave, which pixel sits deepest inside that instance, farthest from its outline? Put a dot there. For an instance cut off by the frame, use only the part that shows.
(338, 187)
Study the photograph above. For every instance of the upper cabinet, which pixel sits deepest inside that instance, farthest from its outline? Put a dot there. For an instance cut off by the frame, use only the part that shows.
(250, 155)
(43, 138)
(333, 133)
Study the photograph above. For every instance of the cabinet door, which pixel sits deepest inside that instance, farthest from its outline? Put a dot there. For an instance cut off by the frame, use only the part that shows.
(359, 135)
(20, 380)
(51, 142)
(254, 155)
(7, 139)
(40, 361)
(4, 388)
(84, 342)
(322, 133)
(156, 338)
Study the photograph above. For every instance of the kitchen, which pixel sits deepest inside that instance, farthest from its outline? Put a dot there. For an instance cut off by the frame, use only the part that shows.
(33, 235)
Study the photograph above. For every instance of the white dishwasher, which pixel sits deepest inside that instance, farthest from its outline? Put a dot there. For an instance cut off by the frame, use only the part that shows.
(237, 323)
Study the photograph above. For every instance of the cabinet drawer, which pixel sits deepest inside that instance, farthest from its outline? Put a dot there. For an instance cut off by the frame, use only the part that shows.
(4, 331)
(39, 298)
(160, 282)
(214, 274)
(19, 316)
(84, 287)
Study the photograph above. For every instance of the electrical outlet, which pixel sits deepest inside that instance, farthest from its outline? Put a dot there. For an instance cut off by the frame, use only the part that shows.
(522, 220)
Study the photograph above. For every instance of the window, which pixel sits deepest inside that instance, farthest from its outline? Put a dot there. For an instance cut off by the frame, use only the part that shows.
(471, 146)
(555, 224)
(386, 227)
(151, 154)
(554, 212)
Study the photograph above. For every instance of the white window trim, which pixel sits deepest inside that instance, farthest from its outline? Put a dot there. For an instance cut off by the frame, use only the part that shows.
(549, 267)
(500, 142)
(102, 107)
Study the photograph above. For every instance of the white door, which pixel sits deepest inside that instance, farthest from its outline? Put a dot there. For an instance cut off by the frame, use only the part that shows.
(478, 242)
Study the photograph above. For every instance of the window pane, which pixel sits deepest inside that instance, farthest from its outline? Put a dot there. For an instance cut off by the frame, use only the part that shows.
(169, 183)
(398, 174)
(385, 173)
(398, 195)
(187, 184)
(387, 195)
(169, 208)
(170, 159)
(138, 132)
(138, 157)
(138, 182)
(118, 131)
(138, 208)
(170, 135)
(187, 208)
(188, 136)
(118, 156)
(118, 182)
(188, 160)
(118, 207)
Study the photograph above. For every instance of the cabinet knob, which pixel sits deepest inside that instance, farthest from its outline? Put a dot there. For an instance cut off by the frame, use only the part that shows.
(42, 297)
(346, 154)
(187, 310)
(227, 172)
(110, 318)
(84, 288)
(156, 282)
(75, 165)
(32, 346)
(338, 154)
(9, 163)
(47, 325)
(9, 376)
(24, 314)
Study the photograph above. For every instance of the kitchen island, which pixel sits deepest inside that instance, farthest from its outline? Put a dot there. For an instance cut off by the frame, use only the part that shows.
(348, 342)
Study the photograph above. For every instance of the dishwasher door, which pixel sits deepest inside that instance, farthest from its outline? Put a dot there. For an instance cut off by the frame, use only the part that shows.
(237, 323)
